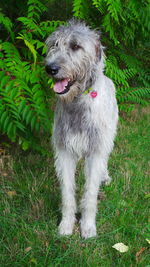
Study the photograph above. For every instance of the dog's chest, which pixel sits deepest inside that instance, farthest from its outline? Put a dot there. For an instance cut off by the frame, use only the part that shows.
(75, 128)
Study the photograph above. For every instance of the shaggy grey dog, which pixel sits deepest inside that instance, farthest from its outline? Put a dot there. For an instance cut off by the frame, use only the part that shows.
(85, 119)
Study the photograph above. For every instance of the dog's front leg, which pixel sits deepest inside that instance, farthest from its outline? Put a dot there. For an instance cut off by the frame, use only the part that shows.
(95, 168)
(65, 167)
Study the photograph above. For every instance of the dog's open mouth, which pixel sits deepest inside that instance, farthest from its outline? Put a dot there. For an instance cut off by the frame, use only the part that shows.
(63, 86)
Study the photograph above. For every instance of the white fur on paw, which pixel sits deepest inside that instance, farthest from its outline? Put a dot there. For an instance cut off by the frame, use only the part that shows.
(107, 180)
(66, 227)
(88, 229)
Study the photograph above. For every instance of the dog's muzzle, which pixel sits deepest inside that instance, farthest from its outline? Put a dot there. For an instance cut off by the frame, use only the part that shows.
(61, 85)
(52, 69)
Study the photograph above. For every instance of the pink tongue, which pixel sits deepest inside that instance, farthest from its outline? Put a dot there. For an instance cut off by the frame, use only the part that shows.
(60, 86)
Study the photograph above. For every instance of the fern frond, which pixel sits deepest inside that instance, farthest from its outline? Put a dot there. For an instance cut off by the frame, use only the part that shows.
(78, 9)
(107, 24)
(100, 5)
(30, 46)
(48, 26)
(31, 25)
(7, 24)
(114, 8)
(35, 9)
(133, 99)
(11, 56)
(130, 61)
(116, 74)
(132, 5)
(133, 95)
(141, 92)
(145, 16)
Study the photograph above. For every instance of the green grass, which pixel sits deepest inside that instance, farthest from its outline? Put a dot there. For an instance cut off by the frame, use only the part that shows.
(30, 201)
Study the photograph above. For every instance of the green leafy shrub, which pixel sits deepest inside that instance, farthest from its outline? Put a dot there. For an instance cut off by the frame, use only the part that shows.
(125, 29)
(24, 101)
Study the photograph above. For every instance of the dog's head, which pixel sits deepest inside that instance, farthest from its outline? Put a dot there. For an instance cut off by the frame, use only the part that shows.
(73, 57)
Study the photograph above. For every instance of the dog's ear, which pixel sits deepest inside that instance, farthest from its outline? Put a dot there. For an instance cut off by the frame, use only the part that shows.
(98, 52)
(98, 47)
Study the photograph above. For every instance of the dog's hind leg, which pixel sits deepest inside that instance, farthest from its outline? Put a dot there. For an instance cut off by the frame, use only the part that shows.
(65, 167)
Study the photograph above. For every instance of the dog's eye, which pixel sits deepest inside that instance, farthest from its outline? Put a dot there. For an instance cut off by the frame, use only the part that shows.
(75, 47)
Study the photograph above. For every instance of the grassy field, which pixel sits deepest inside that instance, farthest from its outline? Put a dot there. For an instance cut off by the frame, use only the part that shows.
(30, 201)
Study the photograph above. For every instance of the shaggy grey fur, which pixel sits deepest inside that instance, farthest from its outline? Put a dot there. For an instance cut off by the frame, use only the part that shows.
(85, 125)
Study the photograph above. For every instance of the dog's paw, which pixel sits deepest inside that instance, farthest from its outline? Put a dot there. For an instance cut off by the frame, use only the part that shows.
(66, 227)
(88, 229)
(107, 180)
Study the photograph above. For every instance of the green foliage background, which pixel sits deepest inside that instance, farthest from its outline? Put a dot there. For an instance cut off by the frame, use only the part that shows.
(25, 95)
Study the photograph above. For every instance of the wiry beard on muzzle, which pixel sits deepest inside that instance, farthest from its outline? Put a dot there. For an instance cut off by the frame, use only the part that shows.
(84, 79)
(75, 77)
(89, 77)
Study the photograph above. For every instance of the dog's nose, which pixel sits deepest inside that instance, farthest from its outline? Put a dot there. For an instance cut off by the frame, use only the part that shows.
(52, 69)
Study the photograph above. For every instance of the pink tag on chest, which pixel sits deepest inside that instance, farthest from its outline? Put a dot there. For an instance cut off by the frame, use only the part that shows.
(93, 94)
